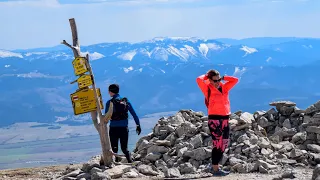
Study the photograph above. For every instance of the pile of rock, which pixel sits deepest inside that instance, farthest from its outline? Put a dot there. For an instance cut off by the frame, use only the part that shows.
(264, 142)
(316, 173)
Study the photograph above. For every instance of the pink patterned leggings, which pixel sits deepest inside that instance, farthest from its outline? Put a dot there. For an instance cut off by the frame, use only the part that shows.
(220, 130)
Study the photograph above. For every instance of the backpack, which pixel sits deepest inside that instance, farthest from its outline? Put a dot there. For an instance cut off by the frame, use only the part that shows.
(120, 108)
(208, 97)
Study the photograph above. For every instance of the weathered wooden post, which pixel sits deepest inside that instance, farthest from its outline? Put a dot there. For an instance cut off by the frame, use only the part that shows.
(87, 99)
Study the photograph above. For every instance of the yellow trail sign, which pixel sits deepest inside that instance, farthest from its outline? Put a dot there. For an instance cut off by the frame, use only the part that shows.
(83, 101)
(84, 81)
(79, 65)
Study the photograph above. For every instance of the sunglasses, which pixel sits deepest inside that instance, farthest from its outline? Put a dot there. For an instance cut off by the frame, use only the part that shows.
(216, 80)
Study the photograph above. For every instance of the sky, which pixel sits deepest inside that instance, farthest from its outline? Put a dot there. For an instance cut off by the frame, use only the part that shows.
(44, 23)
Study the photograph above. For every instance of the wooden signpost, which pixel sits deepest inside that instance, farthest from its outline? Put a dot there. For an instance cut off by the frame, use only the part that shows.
(87, 99)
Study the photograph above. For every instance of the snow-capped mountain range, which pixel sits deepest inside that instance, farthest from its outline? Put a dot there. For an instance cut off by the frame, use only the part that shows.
(159, 75)
(186, 49)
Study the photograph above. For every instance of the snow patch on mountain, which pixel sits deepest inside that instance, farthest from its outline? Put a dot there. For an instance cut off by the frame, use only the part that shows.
(248, 50)
(161, 39)
(239, 71)
(96, 56)
(191, 39)
(160, 54)
(61, 56)
(93, 56)
(181, 54)
(60, 119)
(128, 56)
(35, 53)
(6, 54)
(157, 39)
(115, 53)
(278, 49)
(32, 75)
(36, 75)
(204, 48)
(269, 59)
(307, 46)
(126, 70)
(146, 52)
(189, 49)
(213, 46)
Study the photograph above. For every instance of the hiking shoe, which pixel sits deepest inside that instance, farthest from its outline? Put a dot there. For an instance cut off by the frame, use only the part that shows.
(220, 172)
(128, 157)
(118, 159)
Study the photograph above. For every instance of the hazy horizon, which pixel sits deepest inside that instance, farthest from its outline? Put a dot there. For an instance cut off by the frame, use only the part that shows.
(45, 23)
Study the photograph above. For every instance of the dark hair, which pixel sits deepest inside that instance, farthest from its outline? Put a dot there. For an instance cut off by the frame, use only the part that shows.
(114, 88)
(212, 73)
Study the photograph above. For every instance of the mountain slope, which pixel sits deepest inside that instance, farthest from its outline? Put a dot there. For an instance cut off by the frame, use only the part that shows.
(156, 75)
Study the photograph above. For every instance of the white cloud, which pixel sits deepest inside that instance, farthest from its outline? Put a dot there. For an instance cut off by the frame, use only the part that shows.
(56, 3)
(36, 3)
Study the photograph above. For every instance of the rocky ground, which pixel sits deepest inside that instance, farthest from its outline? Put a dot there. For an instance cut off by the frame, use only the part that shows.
(53, 172)
(282, 142)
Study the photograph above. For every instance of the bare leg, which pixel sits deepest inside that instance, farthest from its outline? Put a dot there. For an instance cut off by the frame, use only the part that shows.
(215, 167)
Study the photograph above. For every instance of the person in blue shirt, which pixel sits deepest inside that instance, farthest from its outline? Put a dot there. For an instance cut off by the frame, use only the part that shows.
(119, 121)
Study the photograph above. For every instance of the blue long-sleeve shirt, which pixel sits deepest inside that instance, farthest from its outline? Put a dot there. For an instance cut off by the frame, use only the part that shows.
(124, 122)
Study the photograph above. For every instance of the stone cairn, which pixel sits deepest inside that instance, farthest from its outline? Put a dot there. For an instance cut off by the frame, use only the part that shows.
(180, 145)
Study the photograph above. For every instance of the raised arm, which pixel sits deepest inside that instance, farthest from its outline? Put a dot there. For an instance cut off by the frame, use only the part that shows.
(203, 85)
(231, 82)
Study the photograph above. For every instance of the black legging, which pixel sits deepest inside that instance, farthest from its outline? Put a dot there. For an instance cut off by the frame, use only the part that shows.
(216, 156)
(121, 133)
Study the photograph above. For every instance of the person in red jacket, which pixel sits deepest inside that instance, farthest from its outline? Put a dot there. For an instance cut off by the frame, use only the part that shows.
(217, 101)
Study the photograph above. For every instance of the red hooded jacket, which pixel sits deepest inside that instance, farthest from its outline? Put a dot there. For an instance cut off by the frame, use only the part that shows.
(219, 103)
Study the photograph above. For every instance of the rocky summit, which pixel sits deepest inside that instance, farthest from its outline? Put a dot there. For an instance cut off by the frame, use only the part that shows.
(272, 141)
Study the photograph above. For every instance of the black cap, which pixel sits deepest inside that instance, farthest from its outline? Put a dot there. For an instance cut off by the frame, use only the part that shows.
(114, 88)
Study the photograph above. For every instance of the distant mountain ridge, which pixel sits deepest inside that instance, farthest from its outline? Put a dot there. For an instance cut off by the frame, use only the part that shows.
(159, 75)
